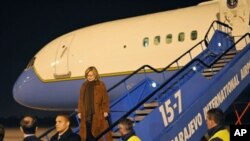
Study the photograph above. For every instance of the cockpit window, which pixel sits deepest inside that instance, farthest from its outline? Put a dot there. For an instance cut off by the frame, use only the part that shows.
(31, 63)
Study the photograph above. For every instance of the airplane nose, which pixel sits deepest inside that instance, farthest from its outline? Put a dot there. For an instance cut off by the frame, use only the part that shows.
(31, 92)
(24, 89)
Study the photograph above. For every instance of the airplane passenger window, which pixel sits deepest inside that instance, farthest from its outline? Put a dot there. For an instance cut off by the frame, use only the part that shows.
(169, 38)
(146, 42)
(232, 3)
(194, 35)
(181, 37)
(157, 40)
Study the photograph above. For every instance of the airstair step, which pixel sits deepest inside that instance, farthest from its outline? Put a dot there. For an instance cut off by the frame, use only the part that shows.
(151, 105)
(224, 60)
(139, 118)
(143, 112)
(230, 56)
(212, 69)
(232, 52)
(209, 74)
(219, 65)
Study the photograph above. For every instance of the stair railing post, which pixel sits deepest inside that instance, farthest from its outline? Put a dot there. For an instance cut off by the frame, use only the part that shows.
(145, 72)
(178, 65)
(190, 55)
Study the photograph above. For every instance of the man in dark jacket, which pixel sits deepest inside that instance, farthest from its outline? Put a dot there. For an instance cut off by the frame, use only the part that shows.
(215, 123)
(64, 133)
(28, 127)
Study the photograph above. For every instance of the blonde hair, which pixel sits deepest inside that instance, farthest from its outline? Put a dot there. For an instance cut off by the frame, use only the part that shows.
(94, 70)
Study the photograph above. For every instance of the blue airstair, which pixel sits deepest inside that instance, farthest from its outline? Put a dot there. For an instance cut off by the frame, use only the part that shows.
(168, 105)
(175, 109)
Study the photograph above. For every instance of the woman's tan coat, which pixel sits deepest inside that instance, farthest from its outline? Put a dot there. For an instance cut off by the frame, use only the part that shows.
(101, 105)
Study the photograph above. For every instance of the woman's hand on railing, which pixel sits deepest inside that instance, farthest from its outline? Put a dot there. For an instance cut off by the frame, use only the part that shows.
(105, 114)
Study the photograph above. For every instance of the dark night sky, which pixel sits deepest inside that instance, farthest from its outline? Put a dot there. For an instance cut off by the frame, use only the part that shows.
(27, 25)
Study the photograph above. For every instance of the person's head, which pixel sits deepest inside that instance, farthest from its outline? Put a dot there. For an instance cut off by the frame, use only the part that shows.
(28, 124)
(125, 126)
(91, 74)
(215, 117)
(2, 132)
(62, 123)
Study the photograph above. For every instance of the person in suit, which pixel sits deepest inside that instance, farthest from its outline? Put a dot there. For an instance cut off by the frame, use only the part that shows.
(28, 126)
(64, 132)
(126, 130)
(2, 132)
(93, 107)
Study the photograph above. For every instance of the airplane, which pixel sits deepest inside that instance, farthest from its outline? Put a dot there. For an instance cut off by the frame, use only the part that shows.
(54, 75)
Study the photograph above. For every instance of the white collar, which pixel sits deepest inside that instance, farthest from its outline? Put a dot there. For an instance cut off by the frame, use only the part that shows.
(28, 135)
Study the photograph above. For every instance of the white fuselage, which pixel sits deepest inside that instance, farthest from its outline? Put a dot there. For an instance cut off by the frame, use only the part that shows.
(119, 47)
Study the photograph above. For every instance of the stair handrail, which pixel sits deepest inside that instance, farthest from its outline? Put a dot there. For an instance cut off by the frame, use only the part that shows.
(165, 83)
(152, 68)
(212, 26)
(176, 60)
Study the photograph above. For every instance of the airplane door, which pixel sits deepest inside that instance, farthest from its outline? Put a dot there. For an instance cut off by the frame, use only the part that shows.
(236, 14)
(62, 62)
